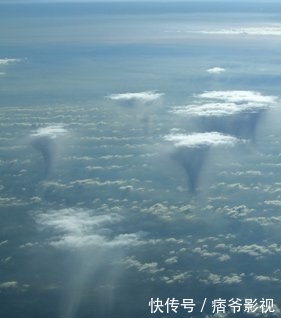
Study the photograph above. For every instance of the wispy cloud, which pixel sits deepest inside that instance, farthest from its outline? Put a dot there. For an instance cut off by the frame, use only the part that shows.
(270, 31)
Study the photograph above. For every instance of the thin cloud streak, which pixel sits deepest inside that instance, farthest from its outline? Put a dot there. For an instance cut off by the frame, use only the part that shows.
(141, 97)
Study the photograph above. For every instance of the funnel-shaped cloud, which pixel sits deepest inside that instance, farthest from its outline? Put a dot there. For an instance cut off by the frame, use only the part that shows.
(139, 105)
(231, 112)
(135, 98)
(45, 141)
(190, 151)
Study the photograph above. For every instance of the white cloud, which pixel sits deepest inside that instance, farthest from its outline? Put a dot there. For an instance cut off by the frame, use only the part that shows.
(141, 97)
(8, 285)
(238, 96)
(264, 31)
(197, 140)
(52, 131)
(226, 103)
(216, 70)
(77, 228)
(6, 61)
(208, 109)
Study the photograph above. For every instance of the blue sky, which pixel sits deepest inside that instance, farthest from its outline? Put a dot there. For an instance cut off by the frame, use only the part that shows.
(81, 1)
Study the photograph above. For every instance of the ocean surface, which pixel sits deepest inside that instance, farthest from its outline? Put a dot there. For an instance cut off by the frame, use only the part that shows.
(140, 160)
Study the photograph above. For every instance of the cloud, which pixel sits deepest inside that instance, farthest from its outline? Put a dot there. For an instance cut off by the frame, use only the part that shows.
(241, 110)
(198, 140)
(226, 103)
(45, 140)
(190, 151)
(6, 61)
(78, 228)
(150, 267)
(8, 285)
(263, 31)
(238, 96)
(52, 131)
(216, 70)
(141, 97)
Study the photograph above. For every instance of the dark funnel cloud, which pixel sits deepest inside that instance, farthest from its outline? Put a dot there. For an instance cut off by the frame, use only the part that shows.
(191, 150)
(45, 141)
(243, 125)
(47, 147)
(236, 113)
(192, 161)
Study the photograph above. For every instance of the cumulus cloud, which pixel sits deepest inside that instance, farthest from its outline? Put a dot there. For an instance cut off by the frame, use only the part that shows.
(216, 70)
(197, 140)
(140, 97)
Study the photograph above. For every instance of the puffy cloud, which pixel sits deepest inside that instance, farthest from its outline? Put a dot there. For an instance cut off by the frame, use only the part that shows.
(141, 97)
(149, 267)
(216, 70)
(197, 140)
(230, 279)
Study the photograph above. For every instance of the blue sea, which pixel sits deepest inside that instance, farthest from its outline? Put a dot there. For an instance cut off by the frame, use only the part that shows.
(140, 159)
